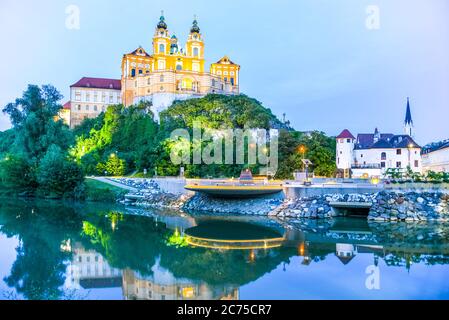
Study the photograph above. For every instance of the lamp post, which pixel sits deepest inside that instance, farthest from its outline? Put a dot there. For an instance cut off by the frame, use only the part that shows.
(302, 149)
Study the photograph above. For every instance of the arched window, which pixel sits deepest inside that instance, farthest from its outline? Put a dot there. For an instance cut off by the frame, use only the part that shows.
(179, 67)
(162, 78)
(213, 82)
(196, 52)
(133, 72)
(383, 156)
(161, 48)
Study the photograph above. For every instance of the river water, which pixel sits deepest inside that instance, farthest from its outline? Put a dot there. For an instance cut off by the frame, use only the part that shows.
(55, 250)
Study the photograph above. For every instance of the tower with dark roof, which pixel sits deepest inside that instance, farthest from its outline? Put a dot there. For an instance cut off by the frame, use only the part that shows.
(408, 123)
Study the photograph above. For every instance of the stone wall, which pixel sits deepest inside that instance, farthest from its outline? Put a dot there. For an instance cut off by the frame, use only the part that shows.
(411, 206)
(387, 206)
(256, 206)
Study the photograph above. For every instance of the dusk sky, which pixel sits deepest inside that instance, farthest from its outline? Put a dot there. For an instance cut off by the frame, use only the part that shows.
(315, 60)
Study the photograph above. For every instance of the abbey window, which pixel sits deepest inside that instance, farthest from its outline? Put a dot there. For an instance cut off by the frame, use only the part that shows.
(161, 48)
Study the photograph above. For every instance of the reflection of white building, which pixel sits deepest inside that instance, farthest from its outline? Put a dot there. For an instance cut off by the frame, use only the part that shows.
(436, 159)
(345, 252)
(372, 154)
(88, 269)
(162, 285)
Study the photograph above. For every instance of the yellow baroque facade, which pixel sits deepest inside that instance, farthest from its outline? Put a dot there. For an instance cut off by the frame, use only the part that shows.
(174, 73)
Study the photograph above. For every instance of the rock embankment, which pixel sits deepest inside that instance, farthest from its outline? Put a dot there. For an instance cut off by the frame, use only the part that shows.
(386, 206)
(257, 206)
(317, 207)
(411, 206)
(149, 195)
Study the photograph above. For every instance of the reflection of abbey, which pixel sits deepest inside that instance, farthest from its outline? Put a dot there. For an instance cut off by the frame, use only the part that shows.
(171, 72)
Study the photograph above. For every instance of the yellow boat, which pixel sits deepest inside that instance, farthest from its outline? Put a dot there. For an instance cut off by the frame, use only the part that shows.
(246, 187)
(235, 190)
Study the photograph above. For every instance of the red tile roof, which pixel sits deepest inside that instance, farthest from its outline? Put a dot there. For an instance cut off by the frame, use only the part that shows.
(66, 105)
(98, 83)
(345, 134)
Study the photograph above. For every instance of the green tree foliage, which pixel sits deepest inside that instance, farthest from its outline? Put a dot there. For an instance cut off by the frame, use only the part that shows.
(7, 139)
(135, 137)
(17, 174)
(57, 174)
(39, 145)
(129, 132)
(318, 148)
(113, 167)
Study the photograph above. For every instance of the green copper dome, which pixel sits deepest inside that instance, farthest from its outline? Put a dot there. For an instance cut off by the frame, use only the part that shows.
(195, 27)
(162, 24)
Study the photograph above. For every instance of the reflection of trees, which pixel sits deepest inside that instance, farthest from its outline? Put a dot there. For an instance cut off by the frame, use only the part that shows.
(137, 241)
(39, 270)
(130, 242)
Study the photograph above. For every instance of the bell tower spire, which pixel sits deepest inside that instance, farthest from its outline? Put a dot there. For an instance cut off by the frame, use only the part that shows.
(408, 123)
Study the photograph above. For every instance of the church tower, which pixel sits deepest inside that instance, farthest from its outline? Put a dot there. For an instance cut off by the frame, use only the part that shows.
(195, 47)
(408, 123)
(161, 44)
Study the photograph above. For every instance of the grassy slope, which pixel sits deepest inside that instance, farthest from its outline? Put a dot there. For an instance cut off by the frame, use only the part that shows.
(100, 191)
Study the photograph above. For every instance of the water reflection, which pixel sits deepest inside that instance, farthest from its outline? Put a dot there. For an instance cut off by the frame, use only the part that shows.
(104, 252)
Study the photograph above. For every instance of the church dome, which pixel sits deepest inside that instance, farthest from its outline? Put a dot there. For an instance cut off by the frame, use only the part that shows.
(195, 27)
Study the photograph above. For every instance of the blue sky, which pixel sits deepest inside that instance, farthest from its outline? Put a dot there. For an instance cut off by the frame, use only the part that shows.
(315, 60)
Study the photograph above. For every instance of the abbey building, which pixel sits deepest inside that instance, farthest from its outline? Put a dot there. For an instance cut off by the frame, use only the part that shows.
(170, 72)
(173, 72)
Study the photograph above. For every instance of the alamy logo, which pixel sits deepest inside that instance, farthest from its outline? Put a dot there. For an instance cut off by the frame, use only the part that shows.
(228, 146)
(72, 21)
(373, 280)
(373, 19)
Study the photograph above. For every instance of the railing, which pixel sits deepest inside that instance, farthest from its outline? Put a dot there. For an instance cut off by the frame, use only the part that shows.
(366, 166)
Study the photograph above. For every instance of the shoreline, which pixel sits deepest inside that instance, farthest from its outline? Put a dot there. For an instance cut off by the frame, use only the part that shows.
(385, 205)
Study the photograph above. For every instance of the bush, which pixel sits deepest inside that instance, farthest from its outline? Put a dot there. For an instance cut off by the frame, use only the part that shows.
(16, 174)
(58, 175)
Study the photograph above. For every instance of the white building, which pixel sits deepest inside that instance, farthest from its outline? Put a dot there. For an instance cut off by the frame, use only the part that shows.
(437, 158)
(372, 154)
(91, 96)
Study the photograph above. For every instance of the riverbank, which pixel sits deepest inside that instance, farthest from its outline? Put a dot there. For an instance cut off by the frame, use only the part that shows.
(382, 206)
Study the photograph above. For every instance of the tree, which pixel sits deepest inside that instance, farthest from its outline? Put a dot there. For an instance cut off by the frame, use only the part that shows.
(39, 154)
(16, 174)
(57, 174)
(114, 166)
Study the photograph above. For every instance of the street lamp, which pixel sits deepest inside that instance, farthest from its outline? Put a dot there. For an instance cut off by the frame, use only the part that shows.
(302, 149)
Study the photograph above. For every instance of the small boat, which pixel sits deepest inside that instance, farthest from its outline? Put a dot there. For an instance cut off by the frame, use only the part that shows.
(246, 187)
